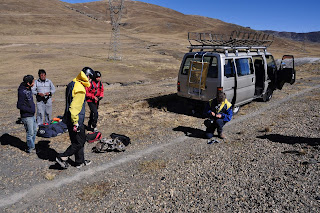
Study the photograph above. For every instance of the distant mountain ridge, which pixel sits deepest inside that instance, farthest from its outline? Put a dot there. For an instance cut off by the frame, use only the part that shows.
(307, 37)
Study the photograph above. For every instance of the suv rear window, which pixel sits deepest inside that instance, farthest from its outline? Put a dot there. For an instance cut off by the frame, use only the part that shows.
(213, 65)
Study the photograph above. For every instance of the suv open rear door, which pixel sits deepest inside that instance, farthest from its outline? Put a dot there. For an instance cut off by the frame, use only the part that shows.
(286, 72)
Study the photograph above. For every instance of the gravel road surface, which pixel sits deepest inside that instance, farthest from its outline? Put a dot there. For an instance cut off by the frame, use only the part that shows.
(269, 162)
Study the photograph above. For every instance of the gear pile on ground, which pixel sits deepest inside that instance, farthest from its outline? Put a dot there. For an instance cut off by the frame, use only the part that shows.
(117, 143)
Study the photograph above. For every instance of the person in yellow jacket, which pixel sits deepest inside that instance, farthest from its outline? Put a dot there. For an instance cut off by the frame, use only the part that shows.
(219, 112)
(74, 118)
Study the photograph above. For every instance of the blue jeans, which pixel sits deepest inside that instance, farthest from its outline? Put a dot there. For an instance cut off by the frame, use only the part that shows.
(31, 128)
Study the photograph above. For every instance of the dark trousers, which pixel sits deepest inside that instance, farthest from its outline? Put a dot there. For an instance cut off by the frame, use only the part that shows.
(93, 114)
(212, 125)
(78, 139)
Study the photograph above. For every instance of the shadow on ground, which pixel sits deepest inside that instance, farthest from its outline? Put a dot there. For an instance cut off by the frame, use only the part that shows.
(291, 139)
(174, 103)
(191, 132)
(7, 139)
(44, 151)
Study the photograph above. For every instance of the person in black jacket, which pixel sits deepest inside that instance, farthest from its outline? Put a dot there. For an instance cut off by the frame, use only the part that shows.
(27, 111)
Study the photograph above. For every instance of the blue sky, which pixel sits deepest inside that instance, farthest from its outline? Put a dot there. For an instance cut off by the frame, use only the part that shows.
(280, 15)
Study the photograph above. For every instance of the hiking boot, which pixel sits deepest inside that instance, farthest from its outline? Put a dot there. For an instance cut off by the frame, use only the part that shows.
(211, 141)
(63, 163)
(86, 163)
(30, 151)
(221, 135)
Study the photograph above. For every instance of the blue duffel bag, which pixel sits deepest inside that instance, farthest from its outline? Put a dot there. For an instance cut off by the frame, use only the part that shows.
(51, 130)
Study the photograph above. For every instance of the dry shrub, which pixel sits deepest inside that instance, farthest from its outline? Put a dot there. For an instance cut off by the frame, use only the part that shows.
(141, 104)
(49, 176)
(95, 191)
(152, 165)
(242, 113)
(267, 129)
(241, 132)
(313, 97)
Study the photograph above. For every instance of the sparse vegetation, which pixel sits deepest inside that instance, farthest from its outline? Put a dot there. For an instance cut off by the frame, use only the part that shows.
(151, 166)
(95, 191)
(261, 168)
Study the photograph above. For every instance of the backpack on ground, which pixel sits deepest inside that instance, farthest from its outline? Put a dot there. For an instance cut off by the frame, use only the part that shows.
(124, 139)
(117, 143)
(93, 137)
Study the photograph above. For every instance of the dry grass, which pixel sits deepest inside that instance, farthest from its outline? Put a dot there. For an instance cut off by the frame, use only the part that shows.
(49, 176)
(152, 166)
(95, 191)
(151, 50)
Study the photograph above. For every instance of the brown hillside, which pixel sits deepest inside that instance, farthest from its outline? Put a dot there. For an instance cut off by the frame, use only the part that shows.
(54, 17)
(143, 18)
(39, 17)
(58, 36)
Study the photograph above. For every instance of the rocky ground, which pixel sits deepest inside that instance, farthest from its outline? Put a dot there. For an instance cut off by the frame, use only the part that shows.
(268, 163)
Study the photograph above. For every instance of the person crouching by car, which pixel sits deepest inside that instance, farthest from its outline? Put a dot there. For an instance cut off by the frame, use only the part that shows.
(27, 111)
(94, 94)
(219, 112)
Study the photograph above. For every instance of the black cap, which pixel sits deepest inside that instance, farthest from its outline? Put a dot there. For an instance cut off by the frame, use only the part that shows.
(28, 79)
(98, 74)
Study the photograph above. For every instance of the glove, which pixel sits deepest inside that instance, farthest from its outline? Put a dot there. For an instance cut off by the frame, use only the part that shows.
(76, 128)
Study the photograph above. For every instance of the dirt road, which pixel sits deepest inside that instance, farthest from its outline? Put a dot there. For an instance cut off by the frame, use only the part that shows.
(269, 162)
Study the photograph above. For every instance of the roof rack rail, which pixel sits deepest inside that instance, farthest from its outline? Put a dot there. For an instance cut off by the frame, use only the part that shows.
(237, 40)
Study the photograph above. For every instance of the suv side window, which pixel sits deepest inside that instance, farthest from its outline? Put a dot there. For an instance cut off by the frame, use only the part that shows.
(243, 67)
(229, 68)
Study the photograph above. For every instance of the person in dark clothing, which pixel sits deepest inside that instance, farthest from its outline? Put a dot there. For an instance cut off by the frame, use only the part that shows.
(74, 118)
(27, 111)
(219, 112)
(94, 94)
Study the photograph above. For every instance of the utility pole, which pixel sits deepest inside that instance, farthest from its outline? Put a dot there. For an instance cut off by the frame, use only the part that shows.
(115, 7)
(303, 46)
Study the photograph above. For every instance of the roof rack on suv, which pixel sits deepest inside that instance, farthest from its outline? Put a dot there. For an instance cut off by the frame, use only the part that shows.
(238, 40)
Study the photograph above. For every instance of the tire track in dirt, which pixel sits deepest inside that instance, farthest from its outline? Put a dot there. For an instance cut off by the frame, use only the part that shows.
(38, 190)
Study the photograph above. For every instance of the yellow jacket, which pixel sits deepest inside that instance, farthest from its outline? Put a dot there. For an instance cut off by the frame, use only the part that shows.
(78, 97)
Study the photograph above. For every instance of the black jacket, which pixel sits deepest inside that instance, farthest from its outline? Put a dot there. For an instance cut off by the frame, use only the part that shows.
(25, 101)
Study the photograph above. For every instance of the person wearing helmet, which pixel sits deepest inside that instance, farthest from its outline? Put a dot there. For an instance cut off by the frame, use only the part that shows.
(74, 118)
(94, 94)
(43, 89)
